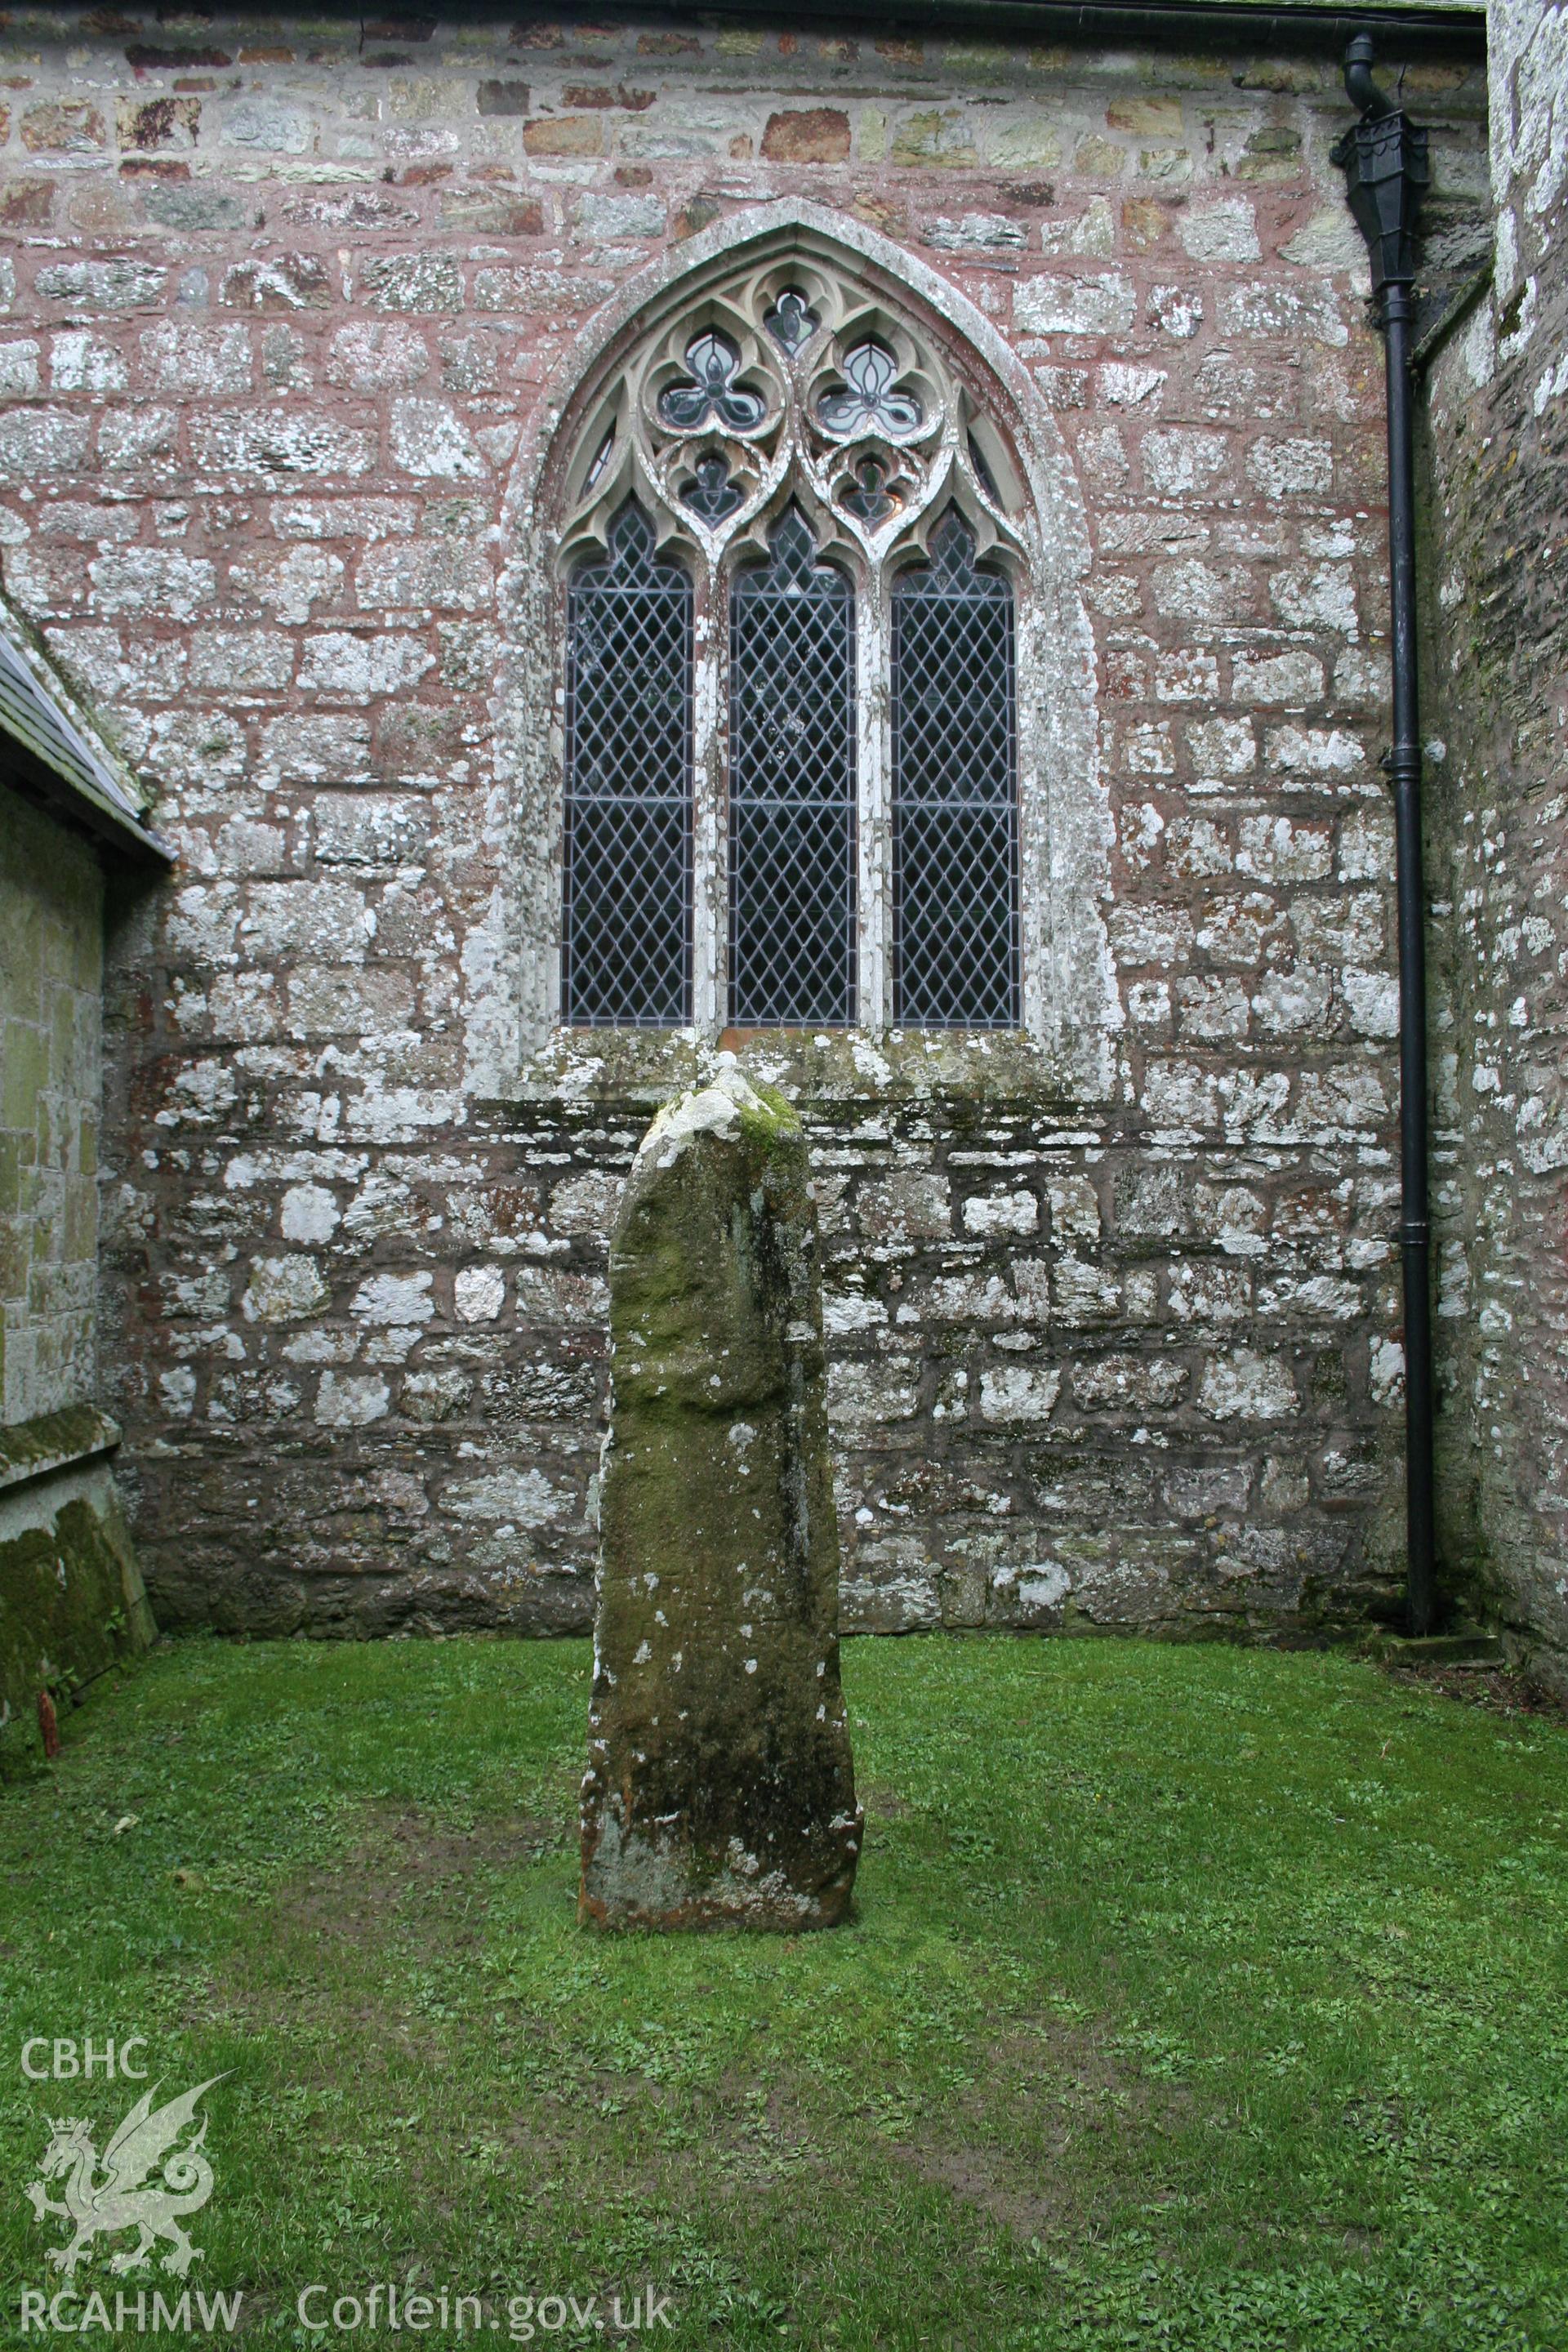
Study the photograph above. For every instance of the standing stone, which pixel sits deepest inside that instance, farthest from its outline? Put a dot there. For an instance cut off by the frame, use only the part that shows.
(719, 1787)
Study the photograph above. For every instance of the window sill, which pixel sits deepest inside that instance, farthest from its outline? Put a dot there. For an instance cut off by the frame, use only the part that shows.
(807, 1064)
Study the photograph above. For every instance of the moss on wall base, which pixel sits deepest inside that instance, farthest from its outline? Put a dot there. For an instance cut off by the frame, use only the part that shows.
(70, 1592)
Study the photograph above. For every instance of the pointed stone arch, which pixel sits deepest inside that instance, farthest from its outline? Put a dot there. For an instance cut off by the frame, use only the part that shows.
(511, 961)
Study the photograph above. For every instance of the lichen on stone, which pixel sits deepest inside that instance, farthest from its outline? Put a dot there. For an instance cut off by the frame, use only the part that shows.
(719, 1787)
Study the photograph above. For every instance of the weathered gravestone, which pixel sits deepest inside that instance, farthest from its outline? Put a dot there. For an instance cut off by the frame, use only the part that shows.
(719, 1787)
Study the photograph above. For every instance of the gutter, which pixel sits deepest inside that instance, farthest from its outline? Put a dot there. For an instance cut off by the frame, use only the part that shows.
(1410, 26)
(1410, 30)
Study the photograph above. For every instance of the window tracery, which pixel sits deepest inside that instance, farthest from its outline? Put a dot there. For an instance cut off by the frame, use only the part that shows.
(813, 464)
(799, 382)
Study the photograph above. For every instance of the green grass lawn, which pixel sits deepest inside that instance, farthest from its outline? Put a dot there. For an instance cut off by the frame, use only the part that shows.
(1196, 1997)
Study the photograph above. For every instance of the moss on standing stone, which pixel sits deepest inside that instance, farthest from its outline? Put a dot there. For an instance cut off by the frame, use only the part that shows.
(720, 1786)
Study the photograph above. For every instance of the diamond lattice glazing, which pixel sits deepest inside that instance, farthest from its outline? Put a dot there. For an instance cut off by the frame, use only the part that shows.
(792, 787)
(956, 801)
(627, 942)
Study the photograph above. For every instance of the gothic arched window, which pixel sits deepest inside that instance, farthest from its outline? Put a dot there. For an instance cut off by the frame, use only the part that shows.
(791, 787)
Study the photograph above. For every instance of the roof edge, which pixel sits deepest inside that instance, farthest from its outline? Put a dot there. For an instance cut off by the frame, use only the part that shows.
(66, 799)
(84, 778)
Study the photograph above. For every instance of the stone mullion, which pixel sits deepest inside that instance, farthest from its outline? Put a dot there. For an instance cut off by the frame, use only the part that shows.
(873, 759)
(709, 814)
(549, 606)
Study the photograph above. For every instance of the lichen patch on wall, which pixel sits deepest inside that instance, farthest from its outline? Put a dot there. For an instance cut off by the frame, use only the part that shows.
(1112, 1330)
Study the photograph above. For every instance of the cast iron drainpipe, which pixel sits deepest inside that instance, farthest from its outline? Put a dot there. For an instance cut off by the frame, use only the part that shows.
(1384, 157)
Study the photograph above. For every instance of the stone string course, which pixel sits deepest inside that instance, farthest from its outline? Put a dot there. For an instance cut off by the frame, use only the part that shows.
(281, 297)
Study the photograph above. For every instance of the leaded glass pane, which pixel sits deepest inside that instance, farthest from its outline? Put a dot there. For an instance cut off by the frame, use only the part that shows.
(792, 787)
(955, 799)
(792, 321)
(709, 491)
(866, 400)
(626, 939)
(714, 362)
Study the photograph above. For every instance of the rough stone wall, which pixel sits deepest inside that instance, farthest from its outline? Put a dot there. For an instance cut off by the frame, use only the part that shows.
(1499, 704)
(51, 966)
(283, 296)
(70, 1596)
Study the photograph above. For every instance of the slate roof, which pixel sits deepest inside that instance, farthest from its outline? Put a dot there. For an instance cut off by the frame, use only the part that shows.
(52, 753)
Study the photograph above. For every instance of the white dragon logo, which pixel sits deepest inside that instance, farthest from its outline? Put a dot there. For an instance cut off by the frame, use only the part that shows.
(120, 2199)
